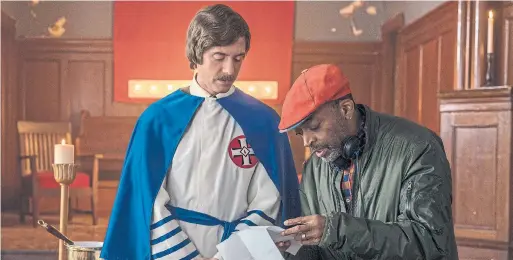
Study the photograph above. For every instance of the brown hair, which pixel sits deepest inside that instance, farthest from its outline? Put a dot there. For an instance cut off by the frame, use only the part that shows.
(216, 25)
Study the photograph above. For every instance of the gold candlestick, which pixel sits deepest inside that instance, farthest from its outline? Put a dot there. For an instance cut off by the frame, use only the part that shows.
(64, 174)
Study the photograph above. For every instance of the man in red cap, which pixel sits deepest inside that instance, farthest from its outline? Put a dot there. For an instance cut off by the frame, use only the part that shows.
(375, 187)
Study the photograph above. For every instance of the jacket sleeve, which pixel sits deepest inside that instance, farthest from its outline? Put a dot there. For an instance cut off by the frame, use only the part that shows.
(424, 228)
(308, 205)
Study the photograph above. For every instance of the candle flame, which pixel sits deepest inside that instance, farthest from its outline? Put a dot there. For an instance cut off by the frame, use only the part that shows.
(63, 141)
(490, 14)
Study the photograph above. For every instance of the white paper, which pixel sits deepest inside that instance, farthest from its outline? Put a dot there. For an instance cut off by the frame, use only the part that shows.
(256, 243)
(233, 248)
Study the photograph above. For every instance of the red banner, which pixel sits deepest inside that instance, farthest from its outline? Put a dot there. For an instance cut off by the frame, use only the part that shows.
(149, 42)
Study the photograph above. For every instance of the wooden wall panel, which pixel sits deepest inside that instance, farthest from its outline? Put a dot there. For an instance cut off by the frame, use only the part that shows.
(41, 96)
(469, 253)
(426, 65)
(472, 210)
(412, 60)
(389, 34)
(476, 128)
(429, 78)
(75, 75)
(87, 81)
(361, 62)
(9, 114)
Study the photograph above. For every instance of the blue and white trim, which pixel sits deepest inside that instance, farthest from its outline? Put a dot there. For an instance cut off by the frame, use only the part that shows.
(168, 241)
(255, 218)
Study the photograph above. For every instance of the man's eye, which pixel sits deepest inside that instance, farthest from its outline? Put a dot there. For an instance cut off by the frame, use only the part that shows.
(239, 58)
(314, 127)
(218, 57)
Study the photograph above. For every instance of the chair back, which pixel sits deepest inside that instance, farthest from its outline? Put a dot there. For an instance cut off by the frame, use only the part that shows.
(39, 139)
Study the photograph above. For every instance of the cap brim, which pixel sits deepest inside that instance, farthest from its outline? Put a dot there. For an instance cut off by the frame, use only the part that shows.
(295, 125)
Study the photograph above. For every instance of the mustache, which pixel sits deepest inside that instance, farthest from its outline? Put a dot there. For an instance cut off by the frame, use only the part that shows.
(226, 77)
(317, 147)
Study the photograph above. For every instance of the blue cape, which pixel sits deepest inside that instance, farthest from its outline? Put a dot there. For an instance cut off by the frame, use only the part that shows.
(150, 153)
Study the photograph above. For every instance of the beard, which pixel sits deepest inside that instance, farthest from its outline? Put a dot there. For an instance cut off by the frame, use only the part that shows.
(334, 154)
(336, 144)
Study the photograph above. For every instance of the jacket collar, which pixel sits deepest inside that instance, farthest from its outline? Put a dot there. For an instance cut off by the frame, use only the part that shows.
(371, 127)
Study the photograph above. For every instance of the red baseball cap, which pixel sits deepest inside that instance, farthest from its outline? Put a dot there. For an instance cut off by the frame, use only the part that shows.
(313, 88)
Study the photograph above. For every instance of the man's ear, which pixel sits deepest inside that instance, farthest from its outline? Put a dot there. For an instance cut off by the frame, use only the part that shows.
(347, 108)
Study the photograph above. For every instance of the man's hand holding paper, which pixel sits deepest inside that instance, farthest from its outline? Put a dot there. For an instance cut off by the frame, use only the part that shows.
(308, 230)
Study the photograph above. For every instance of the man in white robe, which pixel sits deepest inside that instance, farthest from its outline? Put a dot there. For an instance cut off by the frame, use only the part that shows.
(214, 171)
(207, 159)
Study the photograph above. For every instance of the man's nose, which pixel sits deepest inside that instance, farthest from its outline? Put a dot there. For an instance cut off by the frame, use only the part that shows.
(229, 67)
(307, 140)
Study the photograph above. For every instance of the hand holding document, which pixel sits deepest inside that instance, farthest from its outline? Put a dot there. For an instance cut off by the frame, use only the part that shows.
(256, 243)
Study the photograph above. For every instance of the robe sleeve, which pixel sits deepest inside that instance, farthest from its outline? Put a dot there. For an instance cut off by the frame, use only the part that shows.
(168, 240)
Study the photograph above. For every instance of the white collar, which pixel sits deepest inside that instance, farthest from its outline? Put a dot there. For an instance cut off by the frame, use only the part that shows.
(196, 90)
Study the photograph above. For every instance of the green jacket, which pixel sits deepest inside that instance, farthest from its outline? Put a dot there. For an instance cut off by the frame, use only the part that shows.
(401, 197)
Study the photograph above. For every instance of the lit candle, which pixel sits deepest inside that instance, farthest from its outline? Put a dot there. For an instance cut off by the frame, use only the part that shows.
(490, 32)
(64, 153)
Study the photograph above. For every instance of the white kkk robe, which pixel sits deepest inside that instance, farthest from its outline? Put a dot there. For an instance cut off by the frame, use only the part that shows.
(214, 171)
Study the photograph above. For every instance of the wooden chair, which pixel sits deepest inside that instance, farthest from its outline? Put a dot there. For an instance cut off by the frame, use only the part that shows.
(36, 141)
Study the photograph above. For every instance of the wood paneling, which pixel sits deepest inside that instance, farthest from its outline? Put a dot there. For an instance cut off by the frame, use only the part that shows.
(9, 149)
(389, 33)
(42, 90)
(426, 60)
(476, 128)
(469, 253)
(360, 62)
(63, 77)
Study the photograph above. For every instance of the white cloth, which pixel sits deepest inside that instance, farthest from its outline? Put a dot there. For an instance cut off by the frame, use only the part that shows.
(205, 178)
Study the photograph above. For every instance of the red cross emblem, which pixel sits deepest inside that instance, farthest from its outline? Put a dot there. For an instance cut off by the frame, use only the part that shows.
(241, 153)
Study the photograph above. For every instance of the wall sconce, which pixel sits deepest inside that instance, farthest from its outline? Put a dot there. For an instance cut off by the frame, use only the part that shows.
(155, 89)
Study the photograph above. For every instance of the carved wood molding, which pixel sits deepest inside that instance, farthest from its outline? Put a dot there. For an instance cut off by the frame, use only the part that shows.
(478, 243)
(474, 100)
(66, 45)
(492, 92)
(338, 48)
